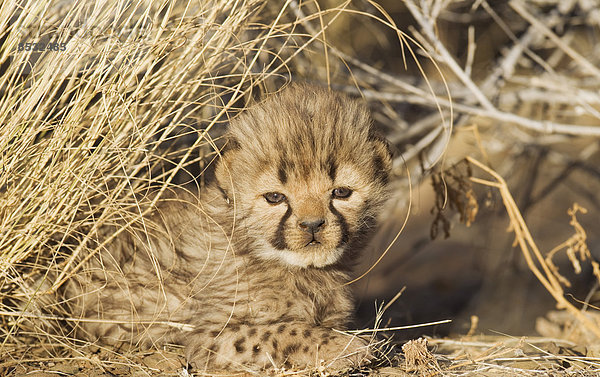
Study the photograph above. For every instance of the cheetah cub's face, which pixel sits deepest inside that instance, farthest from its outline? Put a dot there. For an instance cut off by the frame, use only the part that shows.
(306, 174)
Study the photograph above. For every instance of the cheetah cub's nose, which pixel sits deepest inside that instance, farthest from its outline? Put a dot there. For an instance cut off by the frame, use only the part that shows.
(311, 226)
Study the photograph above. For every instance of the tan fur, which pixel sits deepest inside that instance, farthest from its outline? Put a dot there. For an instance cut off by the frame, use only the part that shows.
(252, 285)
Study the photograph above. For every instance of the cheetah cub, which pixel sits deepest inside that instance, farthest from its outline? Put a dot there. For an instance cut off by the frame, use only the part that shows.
(250, 272)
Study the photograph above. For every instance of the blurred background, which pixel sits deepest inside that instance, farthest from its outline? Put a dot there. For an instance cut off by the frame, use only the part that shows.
(516, 72)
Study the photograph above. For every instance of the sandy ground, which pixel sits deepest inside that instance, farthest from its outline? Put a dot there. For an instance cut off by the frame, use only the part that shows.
(472, 356)
(102, 364)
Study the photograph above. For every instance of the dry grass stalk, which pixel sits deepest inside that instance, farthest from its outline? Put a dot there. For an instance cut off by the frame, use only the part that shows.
(575, 248)
(530, 250)
(506, 356)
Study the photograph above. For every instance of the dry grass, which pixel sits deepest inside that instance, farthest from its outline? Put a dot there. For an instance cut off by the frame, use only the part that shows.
(138, 93)
(548, 275)
(90, 130)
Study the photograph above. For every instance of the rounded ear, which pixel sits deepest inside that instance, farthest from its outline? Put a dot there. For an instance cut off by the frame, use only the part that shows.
(382, 161)
(224, 167)
(382, 148)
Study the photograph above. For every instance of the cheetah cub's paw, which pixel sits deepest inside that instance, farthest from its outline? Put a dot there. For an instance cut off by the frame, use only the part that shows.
(345, 351)
(284, 345)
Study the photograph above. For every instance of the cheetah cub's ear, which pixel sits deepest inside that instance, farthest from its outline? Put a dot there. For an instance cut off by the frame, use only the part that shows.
(383, 156)
(223, 170)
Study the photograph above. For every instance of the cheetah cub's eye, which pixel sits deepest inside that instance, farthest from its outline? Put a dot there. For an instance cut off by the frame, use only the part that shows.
(341, 192)
(274, 197)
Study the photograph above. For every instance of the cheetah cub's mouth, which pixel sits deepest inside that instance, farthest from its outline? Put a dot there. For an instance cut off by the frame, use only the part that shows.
(308, 176)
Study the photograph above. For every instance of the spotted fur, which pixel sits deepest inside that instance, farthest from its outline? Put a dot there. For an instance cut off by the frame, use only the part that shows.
(254, 265)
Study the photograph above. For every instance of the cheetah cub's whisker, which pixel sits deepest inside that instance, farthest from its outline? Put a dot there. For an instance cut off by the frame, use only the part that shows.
(256, 261)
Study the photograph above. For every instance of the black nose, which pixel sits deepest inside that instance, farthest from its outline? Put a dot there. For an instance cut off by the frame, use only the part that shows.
(311, 226)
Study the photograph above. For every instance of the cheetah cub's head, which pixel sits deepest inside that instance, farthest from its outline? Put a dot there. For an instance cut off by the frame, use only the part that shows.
(307, 176)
